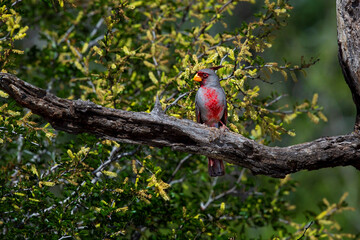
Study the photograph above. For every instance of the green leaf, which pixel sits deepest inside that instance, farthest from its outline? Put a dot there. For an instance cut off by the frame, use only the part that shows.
(153, 78)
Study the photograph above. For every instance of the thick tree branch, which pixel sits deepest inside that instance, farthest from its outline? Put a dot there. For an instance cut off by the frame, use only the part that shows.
(160, 130)
(348, 31)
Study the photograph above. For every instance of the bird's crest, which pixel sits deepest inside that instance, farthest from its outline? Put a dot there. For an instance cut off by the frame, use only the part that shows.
(216, 68)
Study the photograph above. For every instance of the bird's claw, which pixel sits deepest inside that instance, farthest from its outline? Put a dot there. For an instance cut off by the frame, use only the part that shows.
(224, 128)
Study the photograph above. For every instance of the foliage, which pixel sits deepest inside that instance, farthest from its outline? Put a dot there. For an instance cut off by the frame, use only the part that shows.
(122, 54)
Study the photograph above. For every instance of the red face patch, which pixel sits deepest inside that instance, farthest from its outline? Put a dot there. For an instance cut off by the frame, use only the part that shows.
(203, 75)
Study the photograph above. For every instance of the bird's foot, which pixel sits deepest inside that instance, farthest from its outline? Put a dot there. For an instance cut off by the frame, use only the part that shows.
(223, 127)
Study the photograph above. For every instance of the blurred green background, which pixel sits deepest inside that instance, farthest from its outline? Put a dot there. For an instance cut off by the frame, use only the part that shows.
(311, 32)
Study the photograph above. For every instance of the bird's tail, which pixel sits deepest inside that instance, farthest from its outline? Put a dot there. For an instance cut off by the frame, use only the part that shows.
(216, 167)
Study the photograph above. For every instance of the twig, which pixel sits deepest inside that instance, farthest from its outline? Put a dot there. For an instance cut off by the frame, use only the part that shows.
(231, 218)
(51, 207)
(66, 236)
(175, 101)
(275, 100)
(180, 180)
(234, 69)
(282, 67)
(286, 111)
(16, 2)
(210, 199)
(305, 229)
(231, 190)
(171, 96)
(67, 33)
(20, 143)
(114, 156)
(223, 58)
(93, 42)
(79, 54)
(97, 26)
(5, 37)
(153, 57)
(179, 166)
(211, 20)
(185, 14)
(215, 46)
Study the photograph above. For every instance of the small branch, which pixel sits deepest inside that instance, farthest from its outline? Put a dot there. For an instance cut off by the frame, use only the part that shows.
(210, 199)
(305, 229)
(183, 178)
(153, 57)
(229, 191)
(66, 35)
(234, 69)
(171, 96)
(65, 237)
(275, 100)
(179, 166)
(94, 42)
(5, 37)
(223, 59)
(16, 2)
(177, 181)
(215, 46)
(114, 156)
(176, 101)
(97, 27)
(20, 143)
(185, 15)
(202, 30)
(78, 54)
(282, 67)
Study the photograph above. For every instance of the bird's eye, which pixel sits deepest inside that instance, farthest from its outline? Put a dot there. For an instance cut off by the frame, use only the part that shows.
(205, 75)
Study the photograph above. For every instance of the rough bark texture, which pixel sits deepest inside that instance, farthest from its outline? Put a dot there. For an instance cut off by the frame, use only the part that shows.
(348, 28)
(159, 130)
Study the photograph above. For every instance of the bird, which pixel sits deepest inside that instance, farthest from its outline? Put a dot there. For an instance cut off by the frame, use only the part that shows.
(211, 109)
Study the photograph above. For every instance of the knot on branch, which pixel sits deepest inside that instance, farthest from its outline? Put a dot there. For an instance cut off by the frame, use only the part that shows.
(157, 110)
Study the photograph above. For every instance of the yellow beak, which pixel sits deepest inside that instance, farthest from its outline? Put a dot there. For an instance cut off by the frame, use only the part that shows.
(197, 78)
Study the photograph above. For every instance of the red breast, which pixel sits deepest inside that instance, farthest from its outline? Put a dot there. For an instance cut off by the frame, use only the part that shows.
(214, 109)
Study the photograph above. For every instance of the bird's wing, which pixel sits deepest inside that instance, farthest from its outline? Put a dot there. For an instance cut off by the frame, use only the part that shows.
(197, 112)
(225, 115)
(197, 108)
